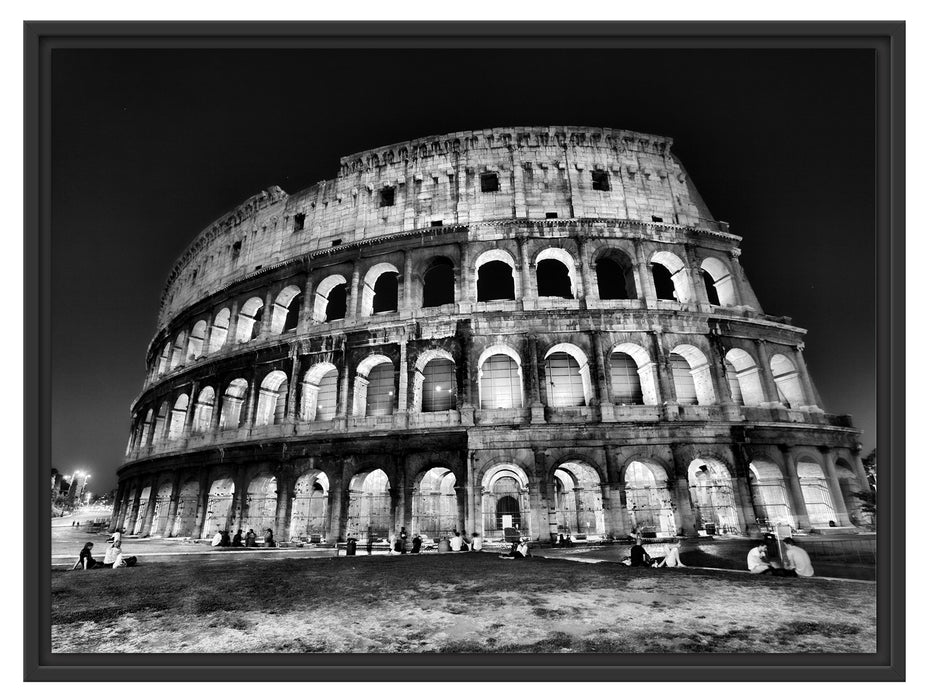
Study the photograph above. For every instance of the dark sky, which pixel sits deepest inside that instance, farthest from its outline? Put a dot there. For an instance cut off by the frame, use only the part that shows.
(148, 147)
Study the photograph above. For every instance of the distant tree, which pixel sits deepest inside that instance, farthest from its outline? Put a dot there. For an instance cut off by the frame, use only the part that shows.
(868, 498)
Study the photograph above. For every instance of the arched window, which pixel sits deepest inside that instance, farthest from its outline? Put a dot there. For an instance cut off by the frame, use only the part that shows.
(500, 382)
(713, 495)
(319, 394)
(381, 398)
(203, 410)
(691, 376)
(817, 495)
(743, 370)
(554, 274)
(768, 489)
(719, 283)
(177, 352)
(286, 310)
(788, 383)
(615, 275)
(273, 398)
(439, 385)
(625, 379)
(579, 507)
(160, 419)
(564, 385)
(178, 413)
(250, 320)
(649, 501)
(195, 344)
(505, 502)
(369, 512)
(330, 299)
(146, 436)
(380, 289)
(221, 325)
(234, 397)
(438, 284)
(670, 277)
(164, 359)
(435, 510)
(495, 276)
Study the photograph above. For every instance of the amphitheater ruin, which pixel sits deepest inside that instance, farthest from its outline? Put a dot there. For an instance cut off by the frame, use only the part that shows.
(539, 330)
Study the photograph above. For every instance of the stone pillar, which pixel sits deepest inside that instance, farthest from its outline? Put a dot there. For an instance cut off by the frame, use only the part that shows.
(149, 508)
(693, 264)
(716, 361)
(134, 510)
(472, 514)
(536, 405)
(267, 313)
(404, 509)
(307, 307)
(407, 283)
(352, 303)
(252, 399)
(604, 390)
(528, 291)
(283, 505)
(647, 288)
(336, 506)
(117, 506)
(208, 332)
(217, 410)
(233, 329)
(517, 182)
(810, 394)
(584, 271)
(293, 383)
(465, 295)
(344, 372)
(837, 494)
(203, 495)
(796, 497)
(539, 503)
(173, 504)
(191, 406)
(667, 392)
(770, 391)
(403, 400)
(686, 513)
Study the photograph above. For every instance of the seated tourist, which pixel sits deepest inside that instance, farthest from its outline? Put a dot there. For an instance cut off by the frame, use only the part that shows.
(269, 538)
(217, 538)
(225, 538)
(115, 559)
(415, 544)
(638, 555)
(443, 547)
(756, 561)
(671, 558)
(455, 542)
(250, 538)
(519, 550)
(85, 560)
(797, 560)
(237, 539)
(476, 542)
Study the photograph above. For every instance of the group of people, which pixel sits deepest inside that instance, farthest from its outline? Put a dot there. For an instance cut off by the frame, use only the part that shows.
(222, 539)
(454, 542)
(519, 550)
(113, 558)
(640, 557)
(795, 560)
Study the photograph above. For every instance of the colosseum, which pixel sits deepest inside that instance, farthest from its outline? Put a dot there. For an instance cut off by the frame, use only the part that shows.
(534, 330)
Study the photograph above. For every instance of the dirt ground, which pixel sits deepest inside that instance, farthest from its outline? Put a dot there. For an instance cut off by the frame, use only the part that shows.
(451, 603)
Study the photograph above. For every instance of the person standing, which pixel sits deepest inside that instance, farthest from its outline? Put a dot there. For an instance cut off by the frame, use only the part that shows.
(797, 559)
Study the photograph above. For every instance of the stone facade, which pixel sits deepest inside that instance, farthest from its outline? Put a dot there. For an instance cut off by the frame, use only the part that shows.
(541, 329)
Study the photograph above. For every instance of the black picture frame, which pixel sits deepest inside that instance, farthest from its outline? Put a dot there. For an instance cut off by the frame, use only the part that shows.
(885, 39)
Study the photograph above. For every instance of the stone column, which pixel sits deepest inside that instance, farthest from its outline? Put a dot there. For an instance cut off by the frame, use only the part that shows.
(667, 392)
(352, 303)
(647, 288)
(403, 400)
(149, 508)
(536, 405)
(117, 507)
(539, 503)
(283, 505)
(231, 332)
(810, 394)
(404, 511)
(307, 307)
(584, 271)
(191, 407)
(208, 332)
(173, 504)
(604, 391)
(517, 182)
(217, 411)
(837, 494)
(693, 264)
(134, 510)
(252, 398)
(336, 506)
(294, 383)
(528, 291)
(718, 373)
(770, 391)
(407, 283)
(465, 295)
(344, 371)
(203, 495)
(267, 313)
(472, 515)
(686, 512)
(796, 497)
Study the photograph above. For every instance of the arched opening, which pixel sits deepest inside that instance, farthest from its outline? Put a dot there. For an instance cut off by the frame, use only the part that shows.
(579, 509)
(691, 376)
(553, 279)
(713, 496)
(369, 514)
(203, 410)
(178, 414)
(788, 383)
(177, 352)
(160, 514)
(231, 416)
(286, 310)
(195, 343)
(261, 505)
(670, 277)
(568, 382)
(495, 281)
(767, 487)
(374, 393)
(143, 507)
(273, 399)
(163, 359)
(816, 494)
(220, 330)
(435, 509)
(160, 418)
(319, 393)
(505, 502)
(499, 381)
(743, 377)
(380, 289)
(649, 501)
(145, 438)
(186, 514)
(439, 284)
(330, 299)
(250, 320)
(710, 288)
(625, 380)
(719, 284)
(128, 521)
(219, 507)
(850, 489)
(615, 275)
(309, 511)
(438, 386)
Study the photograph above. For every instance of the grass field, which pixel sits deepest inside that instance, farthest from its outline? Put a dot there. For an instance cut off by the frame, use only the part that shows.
(451, 603)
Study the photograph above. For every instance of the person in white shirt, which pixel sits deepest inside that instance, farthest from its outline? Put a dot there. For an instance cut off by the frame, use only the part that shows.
(113, 553)
(756, 560)
(476, 542)
(672, 556)
(217, 539)
(455, 542)
(797, 559)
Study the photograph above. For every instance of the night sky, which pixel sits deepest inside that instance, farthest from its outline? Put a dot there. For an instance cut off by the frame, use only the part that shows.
(149, 147)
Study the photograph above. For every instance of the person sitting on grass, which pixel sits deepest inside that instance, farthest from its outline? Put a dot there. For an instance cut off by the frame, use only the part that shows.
(237, 539)
(756, 561)
(415, 544)
(225, 538)
(638, 555)
(519, 550)
(455, 542)
(797, 560)
(250, 538)
(85, 560)
(269, 538)
(476, 542)
(672, 556)
(217, 538)
(114, 558)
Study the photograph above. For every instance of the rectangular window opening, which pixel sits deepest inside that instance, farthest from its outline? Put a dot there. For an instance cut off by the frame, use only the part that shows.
(386, 197)
(298, 222)
(657, 219)
(552, 215)
(335, 242)
(489, 182)
(436, 224)
(601, 181)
